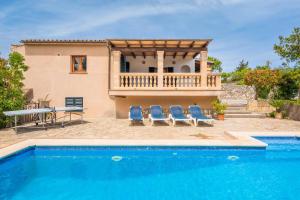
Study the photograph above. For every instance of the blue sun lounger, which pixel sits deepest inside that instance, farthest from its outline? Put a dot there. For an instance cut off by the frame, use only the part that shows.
(197, 115)
(135, 113)
(156, 114)
(177, 115)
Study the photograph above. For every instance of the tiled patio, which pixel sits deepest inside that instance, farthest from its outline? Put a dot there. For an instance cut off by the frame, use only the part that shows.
(120, 129)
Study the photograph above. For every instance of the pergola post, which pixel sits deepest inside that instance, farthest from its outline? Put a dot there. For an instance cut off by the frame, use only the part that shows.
(203, 68)
(160, 68)
(116, 64)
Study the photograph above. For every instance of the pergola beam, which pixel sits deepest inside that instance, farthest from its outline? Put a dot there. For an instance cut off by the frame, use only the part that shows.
(126, 42)
(133, 55)
(179, 43)
(184, 55)
(153, 49)
(192, 44)
(174, 55)
(144, 55)
(194, 56)
(153, 43)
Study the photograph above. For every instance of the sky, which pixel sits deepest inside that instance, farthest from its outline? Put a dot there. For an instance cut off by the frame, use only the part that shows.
(240, 29)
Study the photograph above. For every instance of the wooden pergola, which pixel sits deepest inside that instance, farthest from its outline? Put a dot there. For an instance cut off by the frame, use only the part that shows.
(149, 47)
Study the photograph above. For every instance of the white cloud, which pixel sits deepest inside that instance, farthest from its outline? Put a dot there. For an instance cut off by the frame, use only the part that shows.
(227, 21)
(99, 18)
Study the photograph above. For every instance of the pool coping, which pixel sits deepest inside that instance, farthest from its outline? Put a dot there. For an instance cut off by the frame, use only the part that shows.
(236, 141)
(266, 133)
(239, 139)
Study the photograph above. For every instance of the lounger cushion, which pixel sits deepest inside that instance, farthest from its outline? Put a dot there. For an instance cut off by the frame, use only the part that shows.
(177, 112)
(196, 112)
(156, 112)
(136, 113)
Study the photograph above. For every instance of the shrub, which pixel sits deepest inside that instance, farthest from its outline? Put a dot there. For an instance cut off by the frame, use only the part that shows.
(278, 104)
(264, 81)
(219, 107)
(11, 76)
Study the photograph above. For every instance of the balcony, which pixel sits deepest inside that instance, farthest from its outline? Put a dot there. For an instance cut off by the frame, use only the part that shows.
(171, 68)
(175, 84)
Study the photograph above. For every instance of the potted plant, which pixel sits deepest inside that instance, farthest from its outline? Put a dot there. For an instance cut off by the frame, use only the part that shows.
(219, 109)
(277, 104)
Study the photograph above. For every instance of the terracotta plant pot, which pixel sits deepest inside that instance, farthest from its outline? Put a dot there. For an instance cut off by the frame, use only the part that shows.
(278, 115)
(220, 116)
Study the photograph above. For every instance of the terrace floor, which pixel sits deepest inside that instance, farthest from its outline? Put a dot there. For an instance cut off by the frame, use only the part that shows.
(119, 129)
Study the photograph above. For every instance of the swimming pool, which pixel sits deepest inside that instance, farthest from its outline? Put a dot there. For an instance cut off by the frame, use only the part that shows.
(153, 173)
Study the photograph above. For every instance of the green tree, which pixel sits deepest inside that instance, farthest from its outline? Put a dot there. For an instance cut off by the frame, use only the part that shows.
(264, 81)
(225, 76)
(240, 71)
(242, 65)
(11, 77)
(289, 47)
(267, 65)
(217, 64)
(289, 84)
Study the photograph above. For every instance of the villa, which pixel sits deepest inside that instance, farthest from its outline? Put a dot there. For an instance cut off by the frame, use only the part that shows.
(110, 75)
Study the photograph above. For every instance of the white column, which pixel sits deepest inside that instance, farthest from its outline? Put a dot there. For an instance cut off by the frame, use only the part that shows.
(116, 64)
(203, 68)
(160, 68)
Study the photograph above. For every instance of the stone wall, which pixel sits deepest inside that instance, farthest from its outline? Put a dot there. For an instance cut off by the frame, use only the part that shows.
(237, 92)
(261, 106)
(292, 111)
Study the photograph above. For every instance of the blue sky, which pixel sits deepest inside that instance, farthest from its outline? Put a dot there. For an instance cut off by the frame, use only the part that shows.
(240, 29)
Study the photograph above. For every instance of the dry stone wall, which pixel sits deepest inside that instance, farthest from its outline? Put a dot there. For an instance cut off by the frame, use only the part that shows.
(237, 92)
(292, 111)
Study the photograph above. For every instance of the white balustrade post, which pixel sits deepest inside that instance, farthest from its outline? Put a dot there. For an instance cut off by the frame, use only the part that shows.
(203, 68)
(160, 68)
(116, 64)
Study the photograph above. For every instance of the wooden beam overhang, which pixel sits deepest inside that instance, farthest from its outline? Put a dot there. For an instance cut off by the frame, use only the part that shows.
(192, 44)
(174, 55)
(153, 49)
(133, 55)
(127, 45)
(194, 56)
(184, 55)
(144, 55)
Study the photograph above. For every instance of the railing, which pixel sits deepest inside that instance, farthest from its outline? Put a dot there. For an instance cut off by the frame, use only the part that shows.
(213, 80)
(138, 80)
(168, 80)
(181, 80)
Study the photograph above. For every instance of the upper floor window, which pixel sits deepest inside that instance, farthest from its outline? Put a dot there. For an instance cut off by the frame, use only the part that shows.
(168, 69)
(152, 69)
(78, 64)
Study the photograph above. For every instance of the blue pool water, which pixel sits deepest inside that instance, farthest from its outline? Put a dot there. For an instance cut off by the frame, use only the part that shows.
(153, 173)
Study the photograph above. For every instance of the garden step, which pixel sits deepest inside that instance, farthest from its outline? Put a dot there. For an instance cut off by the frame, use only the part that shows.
(236, 105)
(250, 115)
(233, 102)
(237, 112)
(236, 108)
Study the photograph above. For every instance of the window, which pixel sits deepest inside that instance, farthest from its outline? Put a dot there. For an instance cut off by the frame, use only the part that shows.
(168, 69)
(152, 69)
(78, 64)
(197, 66)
